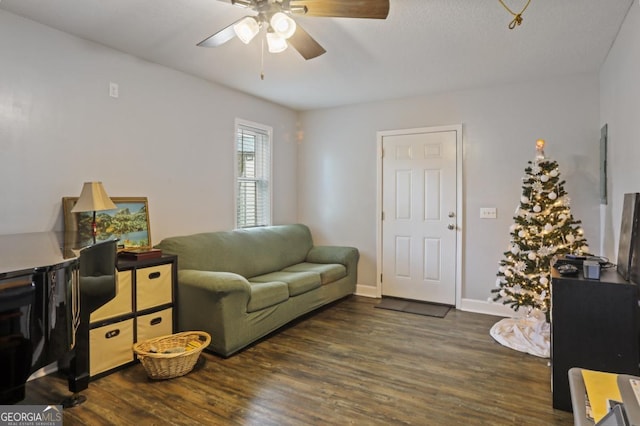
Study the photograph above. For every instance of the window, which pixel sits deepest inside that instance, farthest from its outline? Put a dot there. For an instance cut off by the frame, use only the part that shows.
(253, 174)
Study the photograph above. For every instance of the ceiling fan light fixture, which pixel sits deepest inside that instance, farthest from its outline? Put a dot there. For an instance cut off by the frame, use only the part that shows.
(276, 43)
(283, 25)
(246, 29)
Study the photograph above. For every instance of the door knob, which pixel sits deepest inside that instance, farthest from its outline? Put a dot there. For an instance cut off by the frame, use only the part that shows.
(451, 226)
(452, 214)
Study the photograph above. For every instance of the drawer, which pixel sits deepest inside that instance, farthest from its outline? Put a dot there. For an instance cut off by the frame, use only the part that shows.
(119, 305)
(155, 324)
(110, 346)
(153, 286)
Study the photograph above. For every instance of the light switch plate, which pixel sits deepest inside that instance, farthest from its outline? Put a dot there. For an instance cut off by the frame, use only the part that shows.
(488, 213)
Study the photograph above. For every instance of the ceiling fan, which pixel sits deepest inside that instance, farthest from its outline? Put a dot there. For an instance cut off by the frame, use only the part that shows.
(274, 17)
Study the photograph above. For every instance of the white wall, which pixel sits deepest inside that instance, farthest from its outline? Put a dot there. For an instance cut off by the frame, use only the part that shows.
(169, 136)
(620, 110)
(337, 160)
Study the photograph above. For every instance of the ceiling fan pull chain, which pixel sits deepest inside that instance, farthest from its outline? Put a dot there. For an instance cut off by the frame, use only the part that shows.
(517, 20)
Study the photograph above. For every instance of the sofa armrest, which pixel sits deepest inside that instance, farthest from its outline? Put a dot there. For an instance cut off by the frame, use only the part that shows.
(206, 298)
(347, 256)
(333, 254)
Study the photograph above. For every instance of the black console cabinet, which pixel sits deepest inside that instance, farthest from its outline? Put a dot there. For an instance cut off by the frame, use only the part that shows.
(594, 325)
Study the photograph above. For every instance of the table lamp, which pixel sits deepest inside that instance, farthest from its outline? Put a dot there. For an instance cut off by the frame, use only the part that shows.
(93, 198)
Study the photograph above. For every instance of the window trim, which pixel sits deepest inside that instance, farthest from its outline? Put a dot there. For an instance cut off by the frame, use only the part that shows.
(268, 130)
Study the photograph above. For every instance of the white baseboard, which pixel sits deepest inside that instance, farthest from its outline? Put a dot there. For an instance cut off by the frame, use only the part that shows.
(367, 291)
(489, 308)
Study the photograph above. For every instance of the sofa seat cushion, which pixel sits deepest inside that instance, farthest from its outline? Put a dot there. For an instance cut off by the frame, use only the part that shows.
(298, 282)
(267, 294)
(329, 272)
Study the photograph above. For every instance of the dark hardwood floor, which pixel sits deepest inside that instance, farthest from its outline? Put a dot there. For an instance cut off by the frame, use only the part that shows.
(345, 364)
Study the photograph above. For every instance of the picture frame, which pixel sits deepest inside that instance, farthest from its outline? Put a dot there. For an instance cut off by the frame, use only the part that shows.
(129, 222)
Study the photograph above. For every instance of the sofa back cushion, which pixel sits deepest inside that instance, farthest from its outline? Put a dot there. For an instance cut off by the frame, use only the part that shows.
(247, 252)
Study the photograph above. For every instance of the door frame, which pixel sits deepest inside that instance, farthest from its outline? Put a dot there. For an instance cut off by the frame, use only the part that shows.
(459, 191)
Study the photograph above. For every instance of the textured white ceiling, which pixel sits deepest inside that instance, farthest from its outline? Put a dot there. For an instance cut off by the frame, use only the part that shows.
(424, 46)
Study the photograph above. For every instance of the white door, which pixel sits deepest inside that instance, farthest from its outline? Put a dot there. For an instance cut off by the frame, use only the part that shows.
(419, 232)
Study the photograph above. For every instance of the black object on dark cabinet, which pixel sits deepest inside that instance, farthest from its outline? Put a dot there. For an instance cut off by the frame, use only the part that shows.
(628, 264)
(594, 325)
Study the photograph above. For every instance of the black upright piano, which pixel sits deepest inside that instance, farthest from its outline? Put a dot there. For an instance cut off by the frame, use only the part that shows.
(48, 287)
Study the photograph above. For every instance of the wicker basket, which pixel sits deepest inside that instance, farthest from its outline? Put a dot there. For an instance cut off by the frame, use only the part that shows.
(161, 365)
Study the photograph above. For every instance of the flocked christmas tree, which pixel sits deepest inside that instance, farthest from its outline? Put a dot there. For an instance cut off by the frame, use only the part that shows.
(544, 227)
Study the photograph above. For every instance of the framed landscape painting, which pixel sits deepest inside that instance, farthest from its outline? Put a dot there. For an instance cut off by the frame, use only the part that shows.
(129, 222)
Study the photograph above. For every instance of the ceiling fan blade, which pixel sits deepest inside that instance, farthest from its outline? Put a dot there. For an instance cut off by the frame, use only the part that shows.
(221, 37)
(241, 3)
(305, 44)
(372, 9)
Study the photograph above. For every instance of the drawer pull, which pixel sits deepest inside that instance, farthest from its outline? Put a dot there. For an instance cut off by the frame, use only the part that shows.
(156, 321)
(154, 275)
(112, 333)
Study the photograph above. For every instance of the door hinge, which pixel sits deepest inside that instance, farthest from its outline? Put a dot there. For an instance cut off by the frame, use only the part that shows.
(382, 153)
(380, 277)
(382, 218)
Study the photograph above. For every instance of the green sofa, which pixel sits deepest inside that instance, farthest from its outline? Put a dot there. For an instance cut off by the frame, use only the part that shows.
(241, 285)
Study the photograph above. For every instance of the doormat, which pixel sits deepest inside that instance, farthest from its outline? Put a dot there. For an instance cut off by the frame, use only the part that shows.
(413, 307)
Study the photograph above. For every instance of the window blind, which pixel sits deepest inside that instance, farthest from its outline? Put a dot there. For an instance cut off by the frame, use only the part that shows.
(253, 187)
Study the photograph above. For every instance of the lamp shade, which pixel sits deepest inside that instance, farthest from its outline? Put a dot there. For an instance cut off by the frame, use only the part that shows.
(93, 198)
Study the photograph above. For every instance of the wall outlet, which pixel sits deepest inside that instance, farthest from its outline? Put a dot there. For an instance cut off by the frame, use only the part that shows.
(488, 213)
(114, 90)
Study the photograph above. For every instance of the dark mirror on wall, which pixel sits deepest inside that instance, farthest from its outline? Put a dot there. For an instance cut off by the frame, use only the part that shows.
(628, 242)
(603, 165)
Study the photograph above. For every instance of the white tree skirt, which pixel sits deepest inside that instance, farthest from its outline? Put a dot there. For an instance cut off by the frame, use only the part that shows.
(529, 334)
